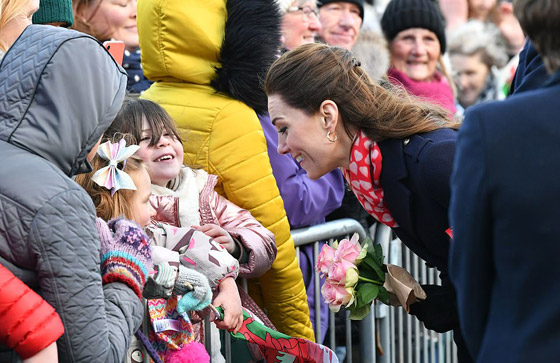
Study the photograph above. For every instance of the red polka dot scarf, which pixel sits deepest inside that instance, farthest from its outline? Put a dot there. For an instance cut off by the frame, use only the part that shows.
(363, 176)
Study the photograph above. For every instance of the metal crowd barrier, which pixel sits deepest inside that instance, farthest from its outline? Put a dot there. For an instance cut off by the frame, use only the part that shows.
(388, 334)
(403, 338)
(329, 231)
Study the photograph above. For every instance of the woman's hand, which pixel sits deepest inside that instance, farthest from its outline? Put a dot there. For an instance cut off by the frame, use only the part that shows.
(219, 235)
(228, 298)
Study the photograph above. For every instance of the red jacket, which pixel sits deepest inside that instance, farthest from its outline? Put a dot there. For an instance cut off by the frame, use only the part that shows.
(29, 323)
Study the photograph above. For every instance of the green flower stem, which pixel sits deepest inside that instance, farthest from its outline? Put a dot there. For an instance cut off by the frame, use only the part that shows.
(370, 280)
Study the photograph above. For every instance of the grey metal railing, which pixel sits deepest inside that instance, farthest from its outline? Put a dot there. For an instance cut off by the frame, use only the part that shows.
(328, 231)
(402, 335)
(388, 334)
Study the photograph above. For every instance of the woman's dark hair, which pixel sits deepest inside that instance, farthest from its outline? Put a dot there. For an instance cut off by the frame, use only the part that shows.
(308, 75)
(133, 113)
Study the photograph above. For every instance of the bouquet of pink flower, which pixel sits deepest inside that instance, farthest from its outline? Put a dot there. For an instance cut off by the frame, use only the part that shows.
(354, 276)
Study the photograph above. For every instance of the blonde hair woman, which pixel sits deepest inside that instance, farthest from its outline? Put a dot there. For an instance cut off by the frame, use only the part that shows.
(15, 16)
(478, 55)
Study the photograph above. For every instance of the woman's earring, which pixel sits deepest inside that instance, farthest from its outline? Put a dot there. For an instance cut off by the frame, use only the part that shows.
(329, 137)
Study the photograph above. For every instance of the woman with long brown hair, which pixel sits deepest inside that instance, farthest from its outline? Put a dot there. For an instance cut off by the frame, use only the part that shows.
(395, 152)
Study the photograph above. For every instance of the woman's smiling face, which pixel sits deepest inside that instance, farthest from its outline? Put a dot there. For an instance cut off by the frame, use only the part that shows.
(303, 136)
(415, 52)
(470, 75)
(115, 19)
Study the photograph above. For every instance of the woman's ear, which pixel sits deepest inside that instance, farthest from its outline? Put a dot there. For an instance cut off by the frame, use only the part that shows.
(329, 113)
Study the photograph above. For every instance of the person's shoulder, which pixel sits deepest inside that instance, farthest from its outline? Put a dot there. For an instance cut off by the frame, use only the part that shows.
(235, 121)
(440, 135)
(435, 153)
(419, 146)
(514, 102)
(513, 109)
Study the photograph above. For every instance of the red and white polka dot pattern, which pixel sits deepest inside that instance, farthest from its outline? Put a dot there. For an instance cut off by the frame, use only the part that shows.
(363, 176)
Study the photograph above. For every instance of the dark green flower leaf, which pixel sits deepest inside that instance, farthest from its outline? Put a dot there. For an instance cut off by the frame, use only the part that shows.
(383, 296)
(369, 292)
(376, 266)
(360, 313)
(366, 271)
(378, 253)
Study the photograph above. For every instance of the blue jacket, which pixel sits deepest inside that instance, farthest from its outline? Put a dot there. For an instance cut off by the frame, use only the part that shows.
(136, 82)
(531, 72)
(415, 178)
(505, 209)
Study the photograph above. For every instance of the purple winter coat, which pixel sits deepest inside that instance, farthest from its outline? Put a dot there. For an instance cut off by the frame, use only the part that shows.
(307, 202)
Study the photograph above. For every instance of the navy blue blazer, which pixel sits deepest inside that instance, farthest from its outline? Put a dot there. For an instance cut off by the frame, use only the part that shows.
(531, 72)
(415, 177)
(505, 209)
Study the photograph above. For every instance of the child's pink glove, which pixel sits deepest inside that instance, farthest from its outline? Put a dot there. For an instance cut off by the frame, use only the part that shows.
(125, 253)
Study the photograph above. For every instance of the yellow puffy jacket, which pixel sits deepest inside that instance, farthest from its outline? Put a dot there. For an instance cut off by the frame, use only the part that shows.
(208, 75)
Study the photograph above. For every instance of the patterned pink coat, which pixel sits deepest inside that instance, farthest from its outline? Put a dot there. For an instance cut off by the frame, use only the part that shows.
(193, 201)
(193, 249)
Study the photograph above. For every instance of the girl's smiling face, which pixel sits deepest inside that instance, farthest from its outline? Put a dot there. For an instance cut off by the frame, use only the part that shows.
(162, 160)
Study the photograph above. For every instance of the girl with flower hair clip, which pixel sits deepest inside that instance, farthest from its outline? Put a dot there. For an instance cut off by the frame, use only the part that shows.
(186, 197)
(186, 261)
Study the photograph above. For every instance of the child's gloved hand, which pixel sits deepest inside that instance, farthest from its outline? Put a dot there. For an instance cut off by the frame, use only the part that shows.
(125, 253)
(162, 282)
(194, 288)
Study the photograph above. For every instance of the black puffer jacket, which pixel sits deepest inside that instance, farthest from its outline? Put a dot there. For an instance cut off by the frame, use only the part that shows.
(59, 91)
